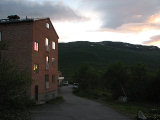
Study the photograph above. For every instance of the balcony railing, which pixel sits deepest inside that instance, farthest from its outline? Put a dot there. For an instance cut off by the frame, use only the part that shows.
(47, 48)
(47, 66)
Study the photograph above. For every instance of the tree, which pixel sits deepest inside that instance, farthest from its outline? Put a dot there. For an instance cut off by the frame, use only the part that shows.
(14, 100)
(153, 88)
(87, 77)
(138, 82)
(115, 79)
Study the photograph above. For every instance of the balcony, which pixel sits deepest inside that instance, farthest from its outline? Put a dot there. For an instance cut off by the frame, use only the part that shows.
(47, 66)
(47, 48)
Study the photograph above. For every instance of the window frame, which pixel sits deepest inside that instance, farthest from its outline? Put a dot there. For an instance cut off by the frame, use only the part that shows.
(53, 45)
(36, 46)
(47, 62)
(47, 59)
(46, 42)
(36, 68)
(47, 25)
(53, 61)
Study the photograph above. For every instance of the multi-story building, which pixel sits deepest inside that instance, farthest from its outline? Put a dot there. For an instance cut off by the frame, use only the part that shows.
(33, 47)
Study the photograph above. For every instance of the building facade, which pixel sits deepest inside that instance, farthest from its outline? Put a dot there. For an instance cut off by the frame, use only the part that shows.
(33, 47)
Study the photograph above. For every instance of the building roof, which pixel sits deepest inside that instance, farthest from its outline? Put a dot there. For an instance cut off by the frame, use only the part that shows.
(7, 21)
(16, 19)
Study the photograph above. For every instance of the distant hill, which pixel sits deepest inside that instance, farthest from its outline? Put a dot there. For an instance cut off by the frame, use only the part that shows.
(100, 54)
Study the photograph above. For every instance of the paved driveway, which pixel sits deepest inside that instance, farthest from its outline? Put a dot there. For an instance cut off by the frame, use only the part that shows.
(75, 108)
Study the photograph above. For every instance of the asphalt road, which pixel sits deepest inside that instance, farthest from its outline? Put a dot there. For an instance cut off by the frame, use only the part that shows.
(75, 108)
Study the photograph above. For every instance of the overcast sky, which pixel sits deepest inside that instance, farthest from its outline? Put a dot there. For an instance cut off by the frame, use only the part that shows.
(131, 21)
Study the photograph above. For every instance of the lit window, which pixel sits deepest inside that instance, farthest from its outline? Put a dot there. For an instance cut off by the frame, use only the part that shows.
(47, 25)
(53, 45)
(47, 81)
(47, 63)
(36, 68)
(36, 46)
(47, 59)
(53, 61)
(0, 36)
(46, 42)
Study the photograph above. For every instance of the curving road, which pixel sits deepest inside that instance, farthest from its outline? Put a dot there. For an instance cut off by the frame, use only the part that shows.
(75, 108)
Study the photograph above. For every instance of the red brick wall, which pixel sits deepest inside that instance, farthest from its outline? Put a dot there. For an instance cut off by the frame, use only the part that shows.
(40, 32)
(18, 36)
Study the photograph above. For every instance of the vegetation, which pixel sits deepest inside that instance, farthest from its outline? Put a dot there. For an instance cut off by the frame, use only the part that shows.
(136, 82)
(101, 54)
(14, 93)
(114, 69)
(14, 102)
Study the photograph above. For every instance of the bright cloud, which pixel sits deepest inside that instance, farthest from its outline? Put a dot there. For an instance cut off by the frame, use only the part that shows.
(154, 40)
(155, 19)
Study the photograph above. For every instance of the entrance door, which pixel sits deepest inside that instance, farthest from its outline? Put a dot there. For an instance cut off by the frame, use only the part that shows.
(36, 92)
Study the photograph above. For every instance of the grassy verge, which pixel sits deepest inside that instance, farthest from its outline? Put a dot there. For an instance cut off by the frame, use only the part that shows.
(129, 109)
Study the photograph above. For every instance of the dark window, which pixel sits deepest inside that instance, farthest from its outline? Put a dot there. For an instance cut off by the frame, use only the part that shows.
(36, 92)
(53, 78)
(53, 61)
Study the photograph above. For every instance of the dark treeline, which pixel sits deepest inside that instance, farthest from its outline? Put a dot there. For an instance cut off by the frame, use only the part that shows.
(15, 102)
(136, 82)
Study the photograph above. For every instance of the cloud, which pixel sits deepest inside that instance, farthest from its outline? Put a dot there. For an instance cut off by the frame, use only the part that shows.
(115, 13)
(154, 40)
(55, 10)
(154, 19)
(151, 23)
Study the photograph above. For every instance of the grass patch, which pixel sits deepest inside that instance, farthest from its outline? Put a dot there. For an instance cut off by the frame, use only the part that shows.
(129, 109)
(56, 100)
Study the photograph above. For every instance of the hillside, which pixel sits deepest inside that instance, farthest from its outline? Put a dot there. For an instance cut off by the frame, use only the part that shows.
(100, 54)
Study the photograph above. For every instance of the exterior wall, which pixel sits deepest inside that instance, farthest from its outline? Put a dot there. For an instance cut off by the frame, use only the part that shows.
(40, 32)
(18, 37)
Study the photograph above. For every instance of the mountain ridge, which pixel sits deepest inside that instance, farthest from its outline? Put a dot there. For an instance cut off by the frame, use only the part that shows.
(101, 54)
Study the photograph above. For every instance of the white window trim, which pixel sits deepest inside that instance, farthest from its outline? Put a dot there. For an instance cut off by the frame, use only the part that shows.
(46, 42)
(53, 45)
(47, 25)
